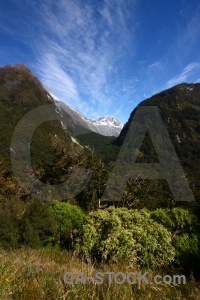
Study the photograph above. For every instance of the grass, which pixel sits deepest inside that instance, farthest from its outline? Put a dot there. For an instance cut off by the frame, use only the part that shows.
(38, 274)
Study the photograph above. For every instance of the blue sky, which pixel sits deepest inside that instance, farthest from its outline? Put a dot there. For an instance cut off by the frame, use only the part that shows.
(103, 57)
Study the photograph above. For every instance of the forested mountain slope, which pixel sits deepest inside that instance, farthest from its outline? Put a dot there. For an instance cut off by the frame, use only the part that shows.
(180, 110)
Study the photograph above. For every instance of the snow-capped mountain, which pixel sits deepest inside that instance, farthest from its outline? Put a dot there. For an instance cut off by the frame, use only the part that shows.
(107, 126)
(79, 124)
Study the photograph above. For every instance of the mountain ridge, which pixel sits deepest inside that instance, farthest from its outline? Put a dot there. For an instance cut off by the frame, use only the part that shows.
(20, 92)
(107, 126)
(179, 107)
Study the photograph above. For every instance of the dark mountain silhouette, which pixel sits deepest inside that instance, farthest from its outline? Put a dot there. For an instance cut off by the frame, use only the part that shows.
(179, 107)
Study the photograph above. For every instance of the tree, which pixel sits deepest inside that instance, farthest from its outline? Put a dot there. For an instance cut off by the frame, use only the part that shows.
(38, 225)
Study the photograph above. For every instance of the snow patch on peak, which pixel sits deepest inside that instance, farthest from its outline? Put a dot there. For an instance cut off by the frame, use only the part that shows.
(107, 121)
(107, 126)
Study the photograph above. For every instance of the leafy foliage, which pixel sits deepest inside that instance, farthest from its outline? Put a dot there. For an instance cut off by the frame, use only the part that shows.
(69, 221)
(119, 233)
(147, 238)
(38, 225)
(10, 217)
(184, 228)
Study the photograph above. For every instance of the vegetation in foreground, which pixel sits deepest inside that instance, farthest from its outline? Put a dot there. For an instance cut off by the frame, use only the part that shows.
(161, 242)
(40, 241)
(38, 274)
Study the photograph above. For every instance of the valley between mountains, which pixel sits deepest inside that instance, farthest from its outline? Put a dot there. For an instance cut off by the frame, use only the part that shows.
(146, 230)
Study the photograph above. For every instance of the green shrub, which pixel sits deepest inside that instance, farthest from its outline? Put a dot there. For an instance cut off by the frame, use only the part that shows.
(183, 225)
(69, 221)
(119, 233)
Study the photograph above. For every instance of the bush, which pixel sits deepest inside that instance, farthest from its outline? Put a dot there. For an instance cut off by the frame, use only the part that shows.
(119, 233)
(69, 221)
(183, 225)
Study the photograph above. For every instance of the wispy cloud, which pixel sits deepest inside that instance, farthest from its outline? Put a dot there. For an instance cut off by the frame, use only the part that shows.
(78, 48)
(103, 57)
(155, 67)
(184, 75)
(189, 34)
(198, 80)
(76, 59)
(51, 72)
